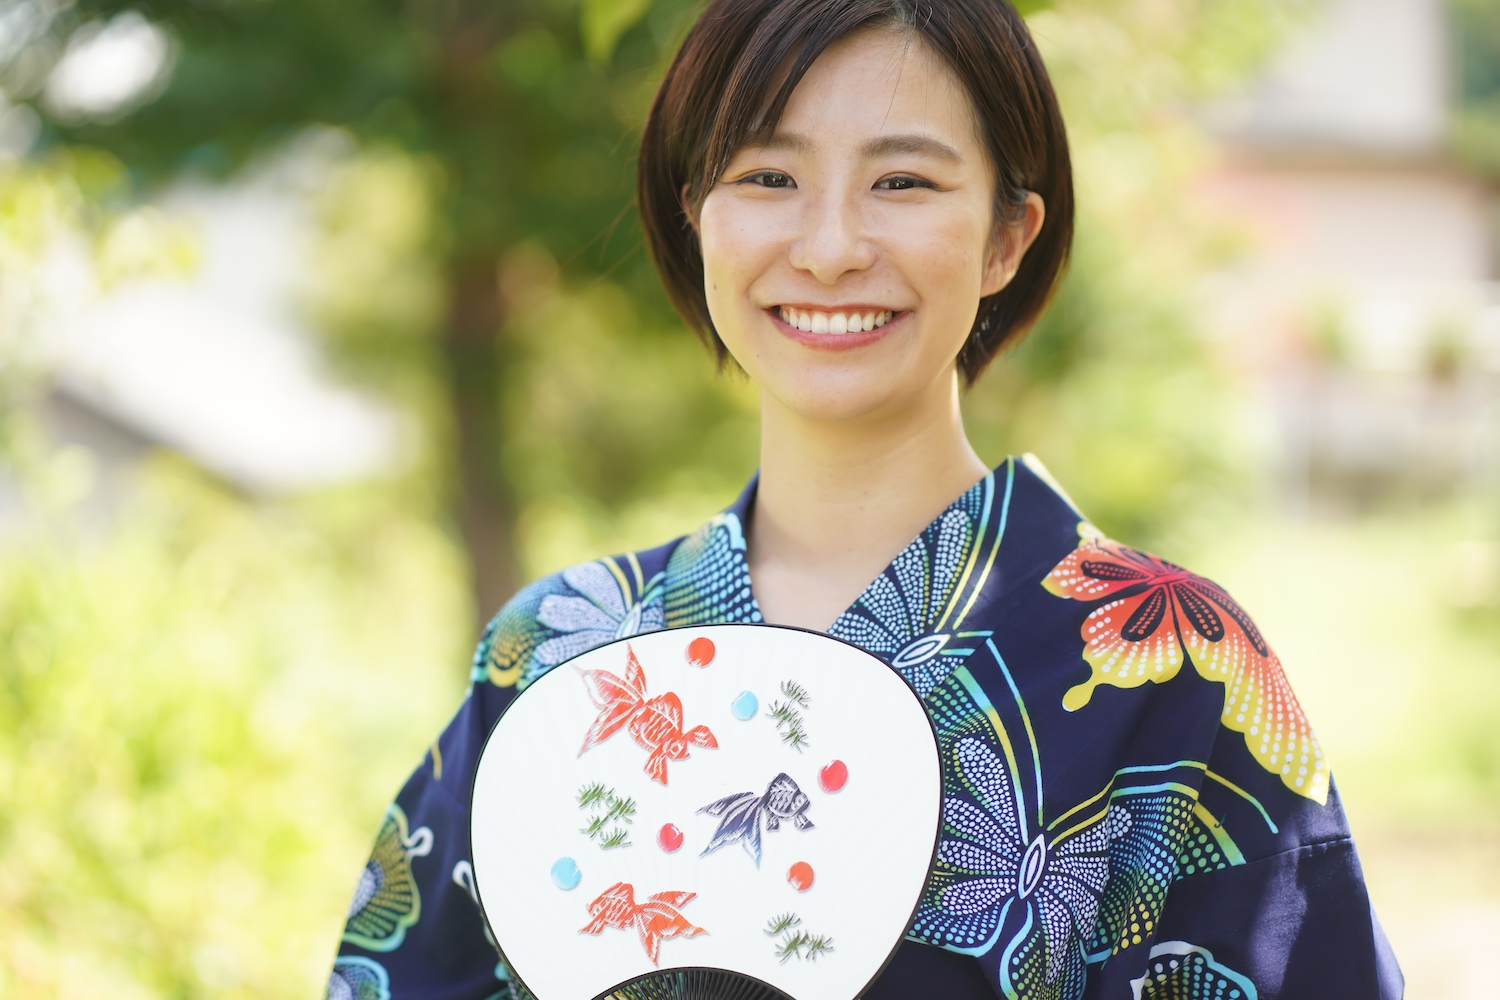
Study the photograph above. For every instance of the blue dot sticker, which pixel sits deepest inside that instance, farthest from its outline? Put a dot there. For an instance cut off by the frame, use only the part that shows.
(744, 706)
(565, 873)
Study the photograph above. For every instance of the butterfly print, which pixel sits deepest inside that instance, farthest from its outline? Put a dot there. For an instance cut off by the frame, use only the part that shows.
(1155, 615)
(1177, 969)
(655, 920)
(991, 866)
(1038, 897)
(358, 978)
(655, 723)
(387, 901)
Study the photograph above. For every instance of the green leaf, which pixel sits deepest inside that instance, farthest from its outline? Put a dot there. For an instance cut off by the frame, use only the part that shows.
(604, 21)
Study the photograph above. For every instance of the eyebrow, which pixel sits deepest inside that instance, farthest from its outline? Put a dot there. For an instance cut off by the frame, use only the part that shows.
(886, 145)
(781, 142)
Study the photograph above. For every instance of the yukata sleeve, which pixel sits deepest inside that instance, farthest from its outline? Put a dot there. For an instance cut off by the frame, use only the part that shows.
(1249, 886)
(1284, 921)
(1293, 926)
(414, 926)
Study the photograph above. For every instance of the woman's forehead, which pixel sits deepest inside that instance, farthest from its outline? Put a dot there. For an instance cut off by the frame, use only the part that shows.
(885, 90)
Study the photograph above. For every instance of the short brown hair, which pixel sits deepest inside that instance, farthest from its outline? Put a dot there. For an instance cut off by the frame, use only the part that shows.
(727, 85)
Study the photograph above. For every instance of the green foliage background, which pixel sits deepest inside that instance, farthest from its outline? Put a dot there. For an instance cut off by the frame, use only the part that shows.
(205, 705)
(1476, 35)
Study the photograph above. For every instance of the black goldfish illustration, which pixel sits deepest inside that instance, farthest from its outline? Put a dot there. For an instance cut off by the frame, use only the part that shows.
(743, 812)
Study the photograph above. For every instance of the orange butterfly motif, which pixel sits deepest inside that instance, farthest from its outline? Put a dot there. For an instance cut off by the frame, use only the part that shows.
(1155, 615)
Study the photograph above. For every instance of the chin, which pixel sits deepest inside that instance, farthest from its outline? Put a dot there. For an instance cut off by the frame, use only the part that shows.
(852, 394)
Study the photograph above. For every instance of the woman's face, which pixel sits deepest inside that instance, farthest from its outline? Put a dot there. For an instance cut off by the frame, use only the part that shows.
(845, 257)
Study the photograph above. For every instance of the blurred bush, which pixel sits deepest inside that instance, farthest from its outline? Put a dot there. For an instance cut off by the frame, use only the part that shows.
(196, 731)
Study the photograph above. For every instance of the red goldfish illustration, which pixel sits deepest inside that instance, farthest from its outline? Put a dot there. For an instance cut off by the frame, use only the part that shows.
(655, 919)
(656, 724)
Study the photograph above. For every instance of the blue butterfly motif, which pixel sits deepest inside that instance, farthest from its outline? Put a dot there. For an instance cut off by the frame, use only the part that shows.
(995, 866)
(1038, 901)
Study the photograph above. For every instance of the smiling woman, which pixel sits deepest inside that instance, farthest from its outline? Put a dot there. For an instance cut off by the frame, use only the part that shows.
(860, 227)
(860, 202)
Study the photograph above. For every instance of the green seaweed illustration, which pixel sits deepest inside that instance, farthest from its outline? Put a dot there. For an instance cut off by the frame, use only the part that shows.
(788, 714)
(609, 815)
(795, 943)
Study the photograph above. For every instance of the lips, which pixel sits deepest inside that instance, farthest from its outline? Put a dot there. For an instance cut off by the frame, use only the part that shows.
(836, 329)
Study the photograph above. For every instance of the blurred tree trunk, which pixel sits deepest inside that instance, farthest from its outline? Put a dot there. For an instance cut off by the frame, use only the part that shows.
(473, 352)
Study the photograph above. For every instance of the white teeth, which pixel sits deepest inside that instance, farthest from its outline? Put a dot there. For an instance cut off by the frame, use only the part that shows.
(834, 323)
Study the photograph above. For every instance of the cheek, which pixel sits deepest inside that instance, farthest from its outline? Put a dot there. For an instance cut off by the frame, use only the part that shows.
(735, 241)
(944, 257)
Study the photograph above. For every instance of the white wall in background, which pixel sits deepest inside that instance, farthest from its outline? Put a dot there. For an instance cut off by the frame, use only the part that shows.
(220, 366)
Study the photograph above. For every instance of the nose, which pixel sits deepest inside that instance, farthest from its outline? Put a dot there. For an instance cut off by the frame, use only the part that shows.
(832, 243)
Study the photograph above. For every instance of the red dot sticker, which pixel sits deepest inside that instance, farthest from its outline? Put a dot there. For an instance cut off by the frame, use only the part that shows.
(700, 652)
(669, 838)
(833, 775)
(801, 876)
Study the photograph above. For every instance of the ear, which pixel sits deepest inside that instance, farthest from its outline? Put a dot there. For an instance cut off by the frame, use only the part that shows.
(693, 213)
(1010, 244)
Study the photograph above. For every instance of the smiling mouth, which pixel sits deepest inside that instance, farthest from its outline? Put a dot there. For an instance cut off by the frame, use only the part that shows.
(814, 321)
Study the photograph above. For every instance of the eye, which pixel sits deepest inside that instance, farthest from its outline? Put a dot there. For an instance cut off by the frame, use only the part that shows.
(770, 179)
(902, 182)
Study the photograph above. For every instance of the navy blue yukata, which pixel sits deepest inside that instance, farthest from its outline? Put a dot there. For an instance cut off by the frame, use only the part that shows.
(1135, 805)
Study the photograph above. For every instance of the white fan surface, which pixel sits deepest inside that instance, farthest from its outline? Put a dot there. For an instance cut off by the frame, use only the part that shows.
(867, 844)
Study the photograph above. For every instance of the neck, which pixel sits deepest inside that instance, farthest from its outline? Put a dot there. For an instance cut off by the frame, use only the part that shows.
(838, 499)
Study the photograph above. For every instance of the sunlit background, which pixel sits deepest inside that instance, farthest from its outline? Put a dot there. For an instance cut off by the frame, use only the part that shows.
(324, 324)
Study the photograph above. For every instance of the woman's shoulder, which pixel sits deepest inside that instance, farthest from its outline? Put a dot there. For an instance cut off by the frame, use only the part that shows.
(566, 613)
(1146, 620)
(695, 578)
(1144, 624)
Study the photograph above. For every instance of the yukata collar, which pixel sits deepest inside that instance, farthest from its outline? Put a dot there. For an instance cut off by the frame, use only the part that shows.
(923, 588)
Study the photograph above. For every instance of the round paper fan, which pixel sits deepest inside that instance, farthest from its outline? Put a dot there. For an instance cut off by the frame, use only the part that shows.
(732, 812)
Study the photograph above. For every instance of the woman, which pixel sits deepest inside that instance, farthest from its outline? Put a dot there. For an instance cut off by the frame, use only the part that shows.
(860, 202)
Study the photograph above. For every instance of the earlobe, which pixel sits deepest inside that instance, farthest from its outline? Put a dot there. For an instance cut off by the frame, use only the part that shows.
(687, 206)
(1010, 245)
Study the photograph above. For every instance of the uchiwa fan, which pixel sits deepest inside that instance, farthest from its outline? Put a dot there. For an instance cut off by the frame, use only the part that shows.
(735, 812)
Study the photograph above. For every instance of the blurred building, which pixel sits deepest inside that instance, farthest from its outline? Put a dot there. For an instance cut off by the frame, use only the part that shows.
(218, 365)
(1364, 305)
